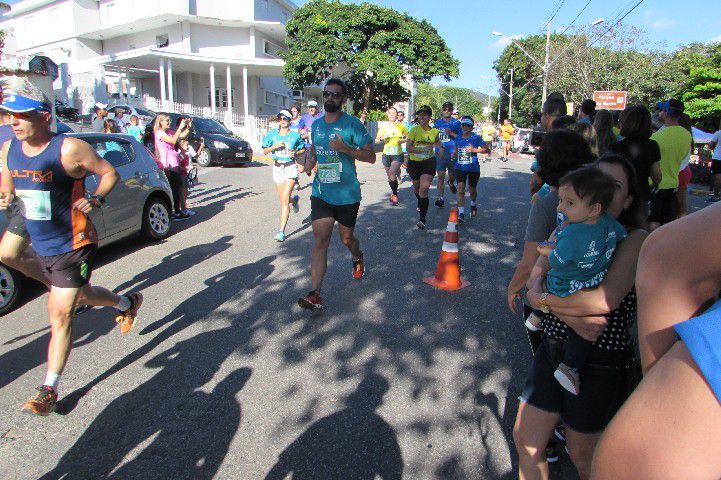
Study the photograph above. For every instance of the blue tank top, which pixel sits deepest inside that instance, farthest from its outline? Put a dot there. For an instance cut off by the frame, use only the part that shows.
(47, 194)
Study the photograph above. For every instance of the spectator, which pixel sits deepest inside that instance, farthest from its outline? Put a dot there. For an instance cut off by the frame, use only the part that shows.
(120, 119)
(602, 315)
(603, 124)
(186, 153)
(553, 107)
(587, 111)
(639, 149)
(589, 133)
(715, 145)
(564, 121)
(670, 426)
(134, 130)
(673, 142)
(110, 126)
(684, 175)
(165, 141)
(98, 118)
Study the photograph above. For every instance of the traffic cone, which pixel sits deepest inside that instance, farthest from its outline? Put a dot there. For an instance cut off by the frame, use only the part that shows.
(448, 273)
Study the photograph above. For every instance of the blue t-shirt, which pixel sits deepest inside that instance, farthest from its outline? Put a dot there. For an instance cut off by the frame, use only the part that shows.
(336, 181)
(295, 124)
(582, 255)
(467, 161)
(306, 122)
(444, 127)
(292, 141)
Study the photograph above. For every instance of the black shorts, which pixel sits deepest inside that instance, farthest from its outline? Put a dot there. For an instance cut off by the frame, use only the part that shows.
(389, 159)
(346, 215)
(604, 387)
(71, 269)
(716, 167)
(662, 206)
(469, 178)
(16, 221)
(424, 167)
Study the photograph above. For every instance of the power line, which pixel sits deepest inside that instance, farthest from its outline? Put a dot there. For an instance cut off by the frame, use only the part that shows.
(576, 17)
(552, 14)
(616, 24)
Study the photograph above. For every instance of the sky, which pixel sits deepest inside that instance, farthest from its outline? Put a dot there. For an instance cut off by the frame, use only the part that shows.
(466, 25)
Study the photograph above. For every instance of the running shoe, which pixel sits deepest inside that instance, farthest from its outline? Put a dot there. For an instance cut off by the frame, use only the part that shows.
(452, 186)
(440, 202)
(474, 210)
(179, 217)
(126, 319)
(461, 218)
(712, 199)
(295, 203)
(280, 236)
(359, 268)
(421, 224)
(312, 301)
(80, 309)
(568, 378)
(394, 199)
(43, 403)
(560, 433)
(188, 212)
(552, 452)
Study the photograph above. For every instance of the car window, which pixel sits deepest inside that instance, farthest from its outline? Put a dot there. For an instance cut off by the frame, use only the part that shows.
(117, 153)
(142, 111)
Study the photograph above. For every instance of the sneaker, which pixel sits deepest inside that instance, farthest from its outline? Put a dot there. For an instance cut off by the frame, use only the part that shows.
(560, 433)
(551, 452)
(394, 199)
(126, 319)
(440, 202)
(312, 301)
(296, 204)
(421, 224)
(359, 268)
(712, 199)
(188, 212)
(534, 323)
(461, 218)
(452, 186)
(568, 378)
(279, 237)
(43, 403)
(179, 217)
(80, 309)
(474, 210)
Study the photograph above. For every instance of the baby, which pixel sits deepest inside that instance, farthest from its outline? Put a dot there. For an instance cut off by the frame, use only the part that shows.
(581, 254)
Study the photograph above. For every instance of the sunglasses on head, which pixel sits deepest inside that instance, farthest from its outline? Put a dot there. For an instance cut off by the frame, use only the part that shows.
(335, 95)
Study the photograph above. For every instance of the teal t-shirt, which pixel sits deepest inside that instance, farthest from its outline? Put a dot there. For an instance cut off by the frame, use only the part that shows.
(292, 141)
(336, 181)
(135, 131)
(582, 255)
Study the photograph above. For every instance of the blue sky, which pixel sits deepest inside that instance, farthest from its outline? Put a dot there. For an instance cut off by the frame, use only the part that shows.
(467, 24)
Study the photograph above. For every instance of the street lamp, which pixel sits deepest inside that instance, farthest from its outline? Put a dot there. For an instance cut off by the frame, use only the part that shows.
(546, 64)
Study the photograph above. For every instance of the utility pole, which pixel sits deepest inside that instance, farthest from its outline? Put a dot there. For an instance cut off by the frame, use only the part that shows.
(545, 63)
(510, 97)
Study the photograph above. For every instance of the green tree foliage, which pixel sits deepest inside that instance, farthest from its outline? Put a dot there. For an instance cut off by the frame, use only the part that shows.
(702, 94)
(369, 46)
(465, 100)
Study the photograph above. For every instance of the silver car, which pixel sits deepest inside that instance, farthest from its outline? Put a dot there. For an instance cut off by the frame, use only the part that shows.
(141, 202)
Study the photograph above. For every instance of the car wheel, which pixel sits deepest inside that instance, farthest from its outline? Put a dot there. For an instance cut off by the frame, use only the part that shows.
(203, 159)
(9, 289)
(156, 219)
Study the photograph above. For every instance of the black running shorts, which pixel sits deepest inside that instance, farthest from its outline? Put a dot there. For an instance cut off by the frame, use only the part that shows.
(71, 269)
(346, 215)
(424, 167)
(469, 178)
(16, 221)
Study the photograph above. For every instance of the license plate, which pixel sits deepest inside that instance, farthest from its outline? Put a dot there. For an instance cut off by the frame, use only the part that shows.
(240, 155)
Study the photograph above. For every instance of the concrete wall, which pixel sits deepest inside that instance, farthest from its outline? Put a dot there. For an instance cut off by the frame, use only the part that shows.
(271, 11)
(220, 41)
(145, 39)
(228, 10)
(32, 30)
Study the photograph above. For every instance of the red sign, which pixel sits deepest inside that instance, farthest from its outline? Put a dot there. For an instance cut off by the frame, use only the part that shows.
(610, 100)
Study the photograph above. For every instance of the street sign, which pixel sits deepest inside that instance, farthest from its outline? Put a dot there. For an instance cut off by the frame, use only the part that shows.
(610, 99)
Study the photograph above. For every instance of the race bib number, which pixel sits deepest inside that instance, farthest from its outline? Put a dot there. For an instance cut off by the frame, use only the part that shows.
(36, 203)
(285, 153)
(443, 136)
(464, 157)
(424, 155)
(393, 150)
(329, 172)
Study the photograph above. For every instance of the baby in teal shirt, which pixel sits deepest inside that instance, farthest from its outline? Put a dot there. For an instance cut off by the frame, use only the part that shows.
(582, 253)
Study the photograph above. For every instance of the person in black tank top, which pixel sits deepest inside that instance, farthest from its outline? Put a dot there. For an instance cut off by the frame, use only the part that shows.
(46, 173)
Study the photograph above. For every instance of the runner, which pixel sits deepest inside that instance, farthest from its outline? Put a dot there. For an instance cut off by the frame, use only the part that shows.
(507, 132)
(487, 132)
(338, 140)
(47, 173)
(306, 122)
(422, 165)
(97, 121)
(392, 134)
(448, 129)
(402, 120)
(295, 118)
(468, 171)
(283, 145)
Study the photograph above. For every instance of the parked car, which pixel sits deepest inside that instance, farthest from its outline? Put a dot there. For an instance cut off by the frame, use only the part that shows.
(522, 141)
(141, 202)
(66, 112)
(145, 116)
(213, 141)
(63, 127)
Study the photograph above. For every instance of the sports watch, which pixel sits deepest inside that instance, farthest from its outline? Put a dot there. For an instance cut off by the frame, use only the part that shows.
(99, 199)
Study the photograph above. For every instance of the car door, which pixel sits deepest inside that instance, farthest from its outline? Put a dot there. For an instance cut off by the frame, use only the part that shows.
(120, 211)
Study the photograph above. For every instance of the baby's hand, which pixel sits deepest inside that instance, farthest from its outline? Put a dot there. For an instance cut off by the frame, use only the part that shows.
(545, 248)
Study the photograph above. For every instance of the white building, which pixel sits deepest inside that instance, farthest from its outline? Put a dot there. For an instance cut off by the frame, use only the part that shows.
(180, 55)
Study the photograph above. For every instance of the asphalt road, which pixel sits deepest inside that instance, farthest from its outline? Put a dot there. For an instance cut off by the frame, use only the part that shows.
(226, 377)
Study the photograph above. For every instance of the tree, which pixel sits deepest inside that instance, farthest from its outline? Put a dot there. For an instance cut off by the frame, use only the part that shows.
(465, 100)
(374, 47)
(703, 93)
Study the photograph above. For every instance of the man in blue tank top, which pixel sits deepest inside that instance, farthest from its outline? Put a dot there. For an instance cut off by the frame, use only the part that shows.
(46, 173)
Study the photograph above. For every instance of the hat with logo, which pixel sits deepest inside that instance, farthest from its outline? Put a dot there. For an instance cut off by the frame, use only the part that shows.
(312, 103)
(23, 104)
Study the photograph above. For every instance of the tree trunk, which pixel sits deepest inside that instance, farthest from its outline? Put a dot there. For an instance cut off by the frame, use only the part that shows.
(366, 101)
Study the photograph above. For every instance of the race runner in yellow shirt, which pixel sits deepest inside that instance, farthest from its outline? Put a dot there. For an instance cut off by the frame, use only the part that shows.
(393, 135)
(507, 132)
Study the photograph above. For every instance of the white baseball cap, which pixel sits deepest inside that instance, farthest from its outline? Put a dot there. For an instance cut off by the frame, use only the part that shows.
(101, 106)
(285, 113)
(312, 103)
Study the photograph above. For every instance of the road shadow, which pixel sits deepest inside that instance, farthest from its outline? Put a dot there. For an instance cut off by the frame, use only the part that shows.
(352, 444)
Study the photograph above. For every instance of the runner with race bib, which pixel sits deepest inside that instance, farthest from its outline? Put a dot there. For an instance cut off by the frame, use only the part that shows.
(468, 170)
(393, 135)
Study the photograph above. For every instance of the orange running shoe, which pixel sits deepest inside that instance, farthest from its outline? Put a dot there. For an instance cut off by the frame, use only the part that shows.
(43, 403)
(126, 319)
(359, 268)
(312, 301)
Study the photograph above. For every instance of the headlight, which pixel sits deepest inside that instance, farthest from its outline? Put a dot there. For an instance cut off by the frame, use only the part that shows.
(220, 145)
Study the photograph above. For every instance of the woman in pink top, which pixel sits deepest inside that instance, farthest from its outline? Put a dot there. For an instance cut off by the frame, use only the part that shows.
(165, 141)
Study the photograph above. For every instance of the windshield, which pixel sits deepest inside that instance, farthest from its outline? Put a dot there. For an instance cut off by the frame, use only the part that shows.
(208, 125)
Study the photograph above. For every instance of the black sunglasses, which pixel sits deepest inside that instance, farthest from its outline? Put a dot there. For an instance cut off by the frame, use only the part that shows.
(335, 95)
(283, 117)
(447, 109)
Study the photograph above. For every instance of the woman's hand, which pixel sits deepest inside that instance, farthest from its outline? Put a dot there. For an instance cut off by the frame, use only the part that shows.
(513, 298)
(590, 328)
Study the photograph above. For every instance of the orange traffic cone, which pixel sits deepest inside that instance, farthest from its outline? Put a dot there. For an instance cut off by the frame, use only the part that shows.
(448, 273)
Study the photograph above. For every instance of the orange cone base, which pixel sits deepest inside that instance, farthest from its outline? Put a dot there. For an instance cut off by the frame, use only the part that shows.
(441, 285)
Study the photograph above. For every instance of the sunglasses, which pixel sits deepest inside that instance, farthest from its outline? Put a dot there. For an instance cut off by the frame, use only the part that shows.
(334, 95)
(283, 117)
(23, 115)
(447, 109)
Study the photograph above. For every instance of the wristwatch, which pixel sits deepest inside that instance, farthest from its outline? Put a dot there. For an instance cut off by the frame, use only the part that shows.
(545, 308)
(99, 199)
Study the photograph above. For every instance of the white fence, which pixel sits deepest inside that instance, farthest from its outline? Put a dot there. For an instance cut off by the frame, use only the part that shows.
(251, 128)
